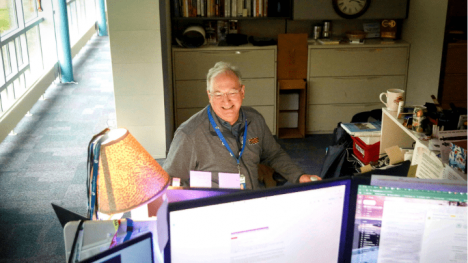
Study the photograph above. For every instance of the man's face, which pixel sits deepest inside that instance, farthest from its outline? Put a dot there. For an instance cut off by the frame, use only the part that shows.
(226, 96)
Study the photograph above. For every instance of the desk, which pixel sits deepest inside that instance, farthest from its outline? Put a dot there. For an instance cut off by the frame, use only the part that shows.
(394, 133)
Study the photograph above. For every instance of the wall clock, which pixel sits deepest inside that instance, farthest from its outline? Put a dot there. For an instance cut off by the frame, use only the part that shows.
(350, 8)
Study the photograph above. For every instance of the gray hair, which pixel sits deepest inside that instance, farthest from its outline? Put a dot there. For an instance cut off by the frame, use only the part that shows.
(221, 67)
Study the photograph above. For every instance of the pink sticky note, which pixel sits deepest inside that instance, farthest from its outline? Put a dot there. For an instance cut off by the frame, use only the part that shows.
(175, 181)
(229, 180)
(200, 179)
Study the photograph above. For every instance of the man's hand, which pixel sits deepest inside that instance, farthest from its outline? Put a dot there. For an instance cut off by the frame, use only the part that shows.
(305, 178)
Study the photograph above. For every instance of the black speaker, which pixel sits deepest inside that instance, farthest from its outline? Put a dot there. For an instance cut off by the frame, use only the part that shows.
(236, 39)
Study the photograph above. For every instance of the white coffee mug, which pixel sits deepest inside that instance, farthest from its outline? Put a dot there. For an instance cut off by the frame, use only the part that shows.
(393, 97)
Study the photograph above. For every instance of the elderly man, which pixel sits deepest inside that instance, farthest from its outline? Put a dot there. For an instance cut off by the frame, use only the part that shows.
(226, 137)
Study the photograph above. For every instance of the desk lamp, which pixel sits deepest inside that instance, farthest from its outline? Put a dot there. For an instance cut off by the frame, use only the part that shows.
(122, 175)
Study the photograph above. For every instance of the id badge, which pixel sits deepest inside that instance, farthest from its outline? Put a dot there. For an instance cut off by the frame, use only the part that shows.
(242, 182)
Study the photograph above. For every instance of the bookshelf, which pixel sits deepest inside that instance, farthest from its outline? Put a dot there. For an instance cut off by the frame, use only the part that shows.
(230, 9)
(225, 18)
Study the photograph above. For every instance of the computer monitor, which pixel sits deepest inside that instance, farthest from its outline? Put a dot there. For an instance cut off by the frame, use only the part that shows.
(178, 194)
(297, 223)
(395, 224)
(138, 249)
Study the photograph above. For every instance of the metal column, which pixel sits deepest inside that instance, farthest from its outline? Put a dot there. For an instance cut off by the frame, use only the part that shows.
(64, 52)
(102, 22)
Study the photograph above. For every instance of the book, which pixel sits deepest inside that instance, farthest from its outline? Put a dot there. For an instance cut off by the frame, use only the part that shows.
(203, 8)
(227, 8)
(176, 8)
(260, 8)
(363, 129)
(255, 8)
(233, 8)
(185, 8)
(240, 8)
(193, 8)
(208, 8)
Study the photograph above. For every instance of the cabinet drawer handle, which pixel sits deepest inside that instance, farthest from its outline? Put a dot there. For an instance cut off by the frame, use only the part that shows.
(237, 52)
(363, 105)
(360, 50)
(357, 78)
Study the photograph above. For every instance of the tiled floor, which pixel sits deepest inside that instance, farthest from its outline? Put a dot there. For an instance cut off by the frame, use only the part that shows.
(46, 162)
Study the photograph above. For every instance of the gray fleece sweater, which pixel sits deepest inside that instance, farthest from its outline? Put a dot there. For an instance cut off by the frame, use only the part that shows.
(196, 146)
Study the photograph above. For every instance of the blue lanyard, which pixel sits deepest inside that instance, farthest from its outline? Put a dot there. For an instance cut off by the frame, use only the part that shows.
(221, 137)
(129, 229)
(97, 150)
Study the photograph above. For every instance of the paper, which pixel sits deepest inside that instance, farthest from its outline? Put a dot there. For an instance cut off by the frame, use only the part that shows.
(200, 179)
(401, 231)
(395, 154)
(462, 122)
(162, 227)
(450, 174)
(445, 149)
(434, 145)
(176, 182)
(412, 171)
(408, 155)
(229, 180)
(445, 235)
(140, 213)
(366, 168)
(419, 149)
(430, 167)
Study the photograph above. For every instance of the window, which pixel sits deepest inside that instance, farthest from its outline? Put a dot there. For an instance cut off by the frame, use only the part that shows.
(29, 9)
(8, 18)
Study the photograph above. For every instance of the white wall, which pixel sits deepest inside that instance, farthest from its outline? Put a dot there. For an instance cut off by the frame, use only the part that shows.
(424, 30)
(135, 44)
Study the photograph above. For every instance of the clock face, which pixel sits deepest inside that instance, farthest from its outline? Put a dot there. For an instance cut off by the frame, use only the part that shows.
(350, 8)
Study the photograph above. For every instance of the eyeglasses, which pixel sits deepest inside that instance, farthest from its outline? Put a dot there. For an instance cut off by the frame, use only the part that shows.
(232, 94)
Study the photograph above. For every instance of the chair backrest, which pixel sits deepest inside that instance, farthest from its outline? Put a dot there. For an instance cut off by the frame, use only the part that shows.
(336, 154)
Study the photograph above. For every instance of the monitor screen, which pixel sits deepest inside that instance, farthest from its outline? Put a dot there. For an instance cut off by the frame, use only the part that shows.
(298, 223)
(138, 249)
(184, 194)
(405, 225)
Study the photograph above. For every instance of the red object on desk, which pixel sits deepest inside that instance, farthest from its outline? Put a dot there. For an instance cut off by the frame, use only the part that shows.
(365, 153)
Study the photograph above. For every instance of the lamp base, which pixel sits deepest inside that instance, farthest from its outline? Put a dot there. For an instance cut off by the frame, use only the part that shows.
(103, 216)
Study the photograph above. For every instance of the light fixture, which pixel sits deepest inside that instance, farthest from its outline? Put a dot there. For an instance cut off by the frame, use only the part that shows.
(122, 174)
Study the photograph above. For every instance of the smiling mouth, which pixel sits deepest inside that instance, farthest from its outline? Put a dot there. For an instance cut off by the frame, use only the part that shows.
(232, 106)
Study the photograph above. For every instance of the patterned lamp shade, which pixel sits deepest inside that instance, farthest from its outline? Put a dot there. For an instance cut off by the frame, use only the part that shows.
(128, 176)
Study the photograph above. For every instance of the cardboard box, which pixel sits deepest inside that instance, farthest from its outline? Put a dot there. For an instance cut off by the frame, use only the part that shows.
(292, 56)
